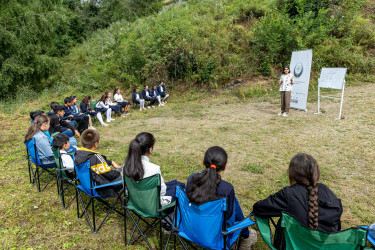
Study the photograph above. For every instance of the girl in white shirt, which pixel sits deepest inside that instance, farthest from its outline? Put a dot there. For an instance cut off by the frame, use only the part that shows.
(118, 98)
(102, 107)
(138, 166)
(286, 82)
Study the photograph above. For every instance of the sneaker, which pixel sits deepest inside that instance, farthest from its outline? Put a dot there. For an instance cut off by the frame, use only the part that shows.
(280, 113)
(148, 107)
(91, 127)
(247, 243)
(108, 121)
(152, 106)
(163, 103)
(105, 124)
(123, 115)
(140, 109)
(127, 113)
(112, 119)
(285, 114)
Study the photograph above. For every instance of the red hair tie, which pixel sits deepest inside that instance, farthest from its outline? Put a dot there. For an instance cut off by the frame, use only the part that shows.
(213, 166)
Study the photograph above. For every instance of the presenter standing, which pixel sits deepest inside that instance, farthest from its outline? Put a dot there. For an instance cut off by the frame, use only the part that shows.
(286, 82)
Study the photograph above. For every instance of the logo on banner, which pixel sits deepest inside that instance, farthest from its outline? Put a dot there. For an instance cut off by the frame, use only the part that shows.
(298, 70)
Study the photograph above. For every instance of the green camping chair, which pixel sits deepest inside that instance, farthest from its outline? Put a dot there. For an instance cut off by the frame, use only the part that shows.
(63, 181)
(143, 204)
(299, 237)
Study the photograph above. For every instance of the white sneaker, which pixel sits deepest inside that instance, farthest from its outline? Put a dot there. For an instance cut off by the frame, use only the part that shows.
(140, 109)
(152, 106)
(144, 108)
(108, 121)
(148, 107)
(280, 113)
(123, 115)
(285, 114)
(161, 105)
(105, 124)
(112, 119)
(91, 127)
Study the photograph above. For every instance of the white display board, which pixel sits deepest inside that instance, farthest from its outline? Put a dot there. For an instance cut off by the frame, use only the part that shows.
(332, 78)
(300, 68)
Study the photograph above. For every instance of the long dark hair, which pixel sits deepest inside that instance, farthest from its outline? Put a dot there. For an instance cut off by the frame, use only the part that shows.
(115, 91)
(102, 99)
(141, 145)
(304, 170)
(35, 127)
(204, 185)
(286, 67)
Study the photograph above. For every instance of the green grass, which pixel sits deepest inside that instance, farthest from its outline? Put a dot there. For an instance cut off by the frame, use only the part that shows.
(259, 144)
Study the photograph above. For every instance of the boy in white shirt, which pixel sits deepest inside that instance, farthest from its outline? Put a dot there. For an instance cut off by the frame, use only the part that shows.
(61, 141)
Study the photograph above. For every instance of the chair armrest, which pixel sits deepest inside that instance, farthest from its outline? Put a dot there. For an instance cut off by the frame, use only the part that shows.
(167, 206)
(238, 226)
(107, 185)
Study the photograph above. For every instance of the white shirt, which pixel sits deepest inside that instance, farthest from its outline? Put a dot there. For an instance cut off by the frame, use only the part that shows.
(67, 161)
(102, 105)
(118, 98)
(286, 85)
(152, 169)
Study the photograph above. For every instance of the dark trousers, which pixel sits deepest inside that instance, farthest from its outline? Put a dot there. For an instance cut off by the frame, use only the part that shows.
(285, 101)
(151, 100)
(83, 123)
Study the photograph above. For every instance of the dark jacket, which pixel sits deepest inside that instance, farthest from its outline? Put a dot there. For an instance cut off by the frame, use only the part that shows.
(224, 190)
(143, 94)
(161, 89)
(294, 200)
(56, 124)
(101, 173)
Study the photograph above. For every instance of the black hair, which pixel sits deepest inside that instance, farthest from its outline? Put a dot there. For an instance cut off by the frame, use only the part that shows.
(204, 185)
(135, 88)
(57, 108)
(36, 113)
(304, 170)
(53, 104)
(141, 145)
(68, 99)
(115, 91)
(60, 140)
(102, 99)
(286, 67)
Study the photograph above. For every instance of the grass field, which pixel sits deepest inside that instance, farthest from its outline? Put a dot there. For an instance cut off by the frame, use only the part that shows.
(259, 143)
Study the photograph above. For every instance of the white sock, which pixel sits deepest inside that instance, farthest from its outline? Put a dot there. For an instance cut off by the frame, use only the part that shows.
(100, 118)
(109, 111)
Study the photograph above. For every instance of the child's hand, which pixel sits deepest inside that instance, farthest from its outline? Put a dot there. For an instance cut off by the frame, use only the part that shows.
(115, 164)
(77, 133)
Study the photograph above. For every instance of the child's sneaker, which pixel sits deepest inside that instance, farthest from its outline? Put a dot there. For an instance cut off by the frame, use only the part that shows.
(285, 114)
(247, 243)
(148, 107)
(108, 121)
(112, 119)
(280, 113)
(105, 124)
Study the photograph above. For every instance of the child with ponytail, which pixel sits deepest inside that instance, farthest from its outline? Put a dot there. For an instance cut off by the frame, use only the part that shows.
(138, 166)
(42, 141)
(208, 186)
(313, 204)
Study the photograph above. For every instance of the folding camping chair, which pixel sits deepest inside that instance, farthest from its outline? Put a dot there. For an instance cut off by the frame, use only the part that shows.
(204, 225)
(63, 179)
(87, 187)
(143, 204)
(299, 237)
(40, 168)
(369, 237)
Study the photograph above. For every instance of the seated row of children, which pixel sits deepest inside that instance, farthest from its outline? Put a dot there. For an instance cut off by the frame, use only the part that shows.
(313, 204)
(156, 93)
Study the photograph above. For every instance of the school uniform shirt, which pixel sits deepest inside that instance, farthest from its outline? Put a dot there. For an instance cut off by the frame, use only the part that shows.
(294, 201)
(43, 146)
(56, 124)
(224, 190)
(101, 173)
(287, 82)
(102, 105)
(67, 161)
(154, 93)
(137, 96)
(161, 88)
(151, 169)
(118, 98)
(75, 110)
(145, 94)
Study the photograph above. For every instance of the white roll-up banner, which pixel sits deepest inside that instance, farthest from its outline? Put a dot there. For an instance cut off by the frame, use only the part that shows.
(300, 67)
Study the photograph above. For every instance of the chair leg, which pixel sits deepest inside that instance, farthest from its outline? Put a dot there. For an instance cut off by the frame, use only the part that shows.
(93, 213)
(140, 231)
(125, 224)
(38, 182)
(160, 235)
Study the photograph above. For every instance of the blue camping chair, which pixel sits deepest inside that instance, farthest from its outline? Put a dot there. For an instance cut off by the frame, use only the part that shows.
(369, 237)
(40, 168)
(204, 225)
(87, 187)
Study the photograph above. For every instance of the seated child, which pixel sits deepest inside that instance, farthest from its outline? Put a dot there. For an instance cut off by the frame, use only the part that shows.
(162, 92)
(138, 166)
(146, 96)
(155, 94)
(313, 204)
(82, 121)
(114, 106)
(136, 98)
(87, 109)
(100, 172)
(118, 98)
(103, 107)
(77, 113)
(208, 185)
(61, 141)
(42, 141)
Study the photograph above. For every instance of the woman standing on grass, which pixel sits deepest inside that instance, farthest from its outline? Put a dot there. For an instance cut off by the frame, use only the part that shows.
(286, 82)
(313, 204)
(42, 141)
